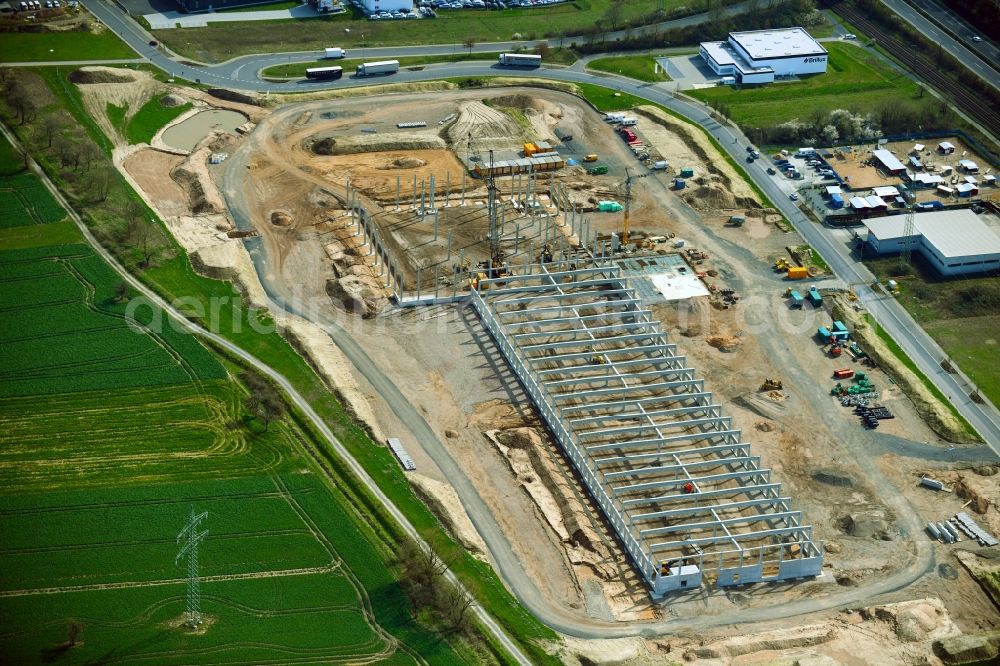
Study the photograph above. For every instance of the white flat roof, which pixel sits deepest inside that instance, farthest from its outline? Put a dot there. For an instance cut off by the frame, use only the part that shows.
(888, 160)
(724, 55)
(788, 42)
(954, 233)
(674, 286)
(834, 189)
(885, 191)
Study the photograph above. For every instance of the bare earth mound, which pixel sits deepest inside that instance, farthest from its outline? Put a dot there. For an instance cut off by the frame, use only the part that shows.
(87, 75)
(368, 143)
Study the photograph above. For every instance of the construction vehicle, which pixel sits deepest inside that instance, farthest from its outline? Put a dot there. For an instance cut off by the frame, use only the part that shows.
(772, 385)
(628, 204)
(546, 254)
(736, 221)
(590, 158)
(781, 264)
(688, 488)
(599, 170)
(496, 265)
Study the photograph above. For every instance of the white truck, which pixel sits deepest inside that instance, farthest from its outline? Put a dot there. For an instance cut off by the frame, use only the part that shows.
(380, 67)
(629, 122)
(614, 117)
(660, 165)
(335, 52)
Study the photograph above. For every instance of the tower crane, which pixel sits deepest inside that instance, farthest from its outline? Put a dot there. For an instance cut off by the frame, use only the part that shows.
(627, 185)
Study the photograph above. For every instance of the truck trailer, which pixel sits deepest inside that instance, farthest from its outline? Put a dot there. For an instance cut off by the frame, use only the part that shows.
(325, 73)
(519, 60)
(384, 67)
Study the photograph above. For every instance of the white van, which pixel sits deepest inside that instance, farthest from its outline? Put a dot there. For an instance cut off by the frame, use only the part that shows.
(629, 122)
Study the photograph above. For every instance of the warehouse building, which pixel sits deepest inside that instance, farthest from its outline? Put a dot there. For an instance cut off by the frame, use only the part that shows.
(955, 242)
(760, 56)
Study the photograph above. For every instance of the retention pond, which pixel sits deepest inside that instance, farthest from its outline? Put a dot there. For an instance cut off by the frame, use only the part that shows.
(186, 134)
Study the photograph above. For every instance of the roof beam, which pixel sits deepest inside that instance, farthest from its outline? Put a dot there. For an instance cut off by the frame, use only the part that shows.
(701, 451)
(615, 404)
(563, 296)
(676, 411)
(609, 352)
(605, 340)
(739, 536)
(705, 494)
(590, 330)
(653, 425)
(656, 441)
(668, 483)
(560, 308)
(553, 286)
(614, 270)
(604, 366)
(782, 516)
(590, 379)
(693, 510)
(577, 318)
(628, 389)
(681, 467)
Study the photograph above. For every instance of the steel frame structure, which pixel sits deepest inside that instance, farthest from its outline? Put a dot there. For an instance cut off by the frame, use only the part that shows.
(683, 494)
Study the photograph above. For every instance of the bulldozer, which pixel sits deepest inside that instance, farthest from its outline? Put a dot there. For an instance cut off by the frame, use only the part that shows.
(781, 264)
(771, 385)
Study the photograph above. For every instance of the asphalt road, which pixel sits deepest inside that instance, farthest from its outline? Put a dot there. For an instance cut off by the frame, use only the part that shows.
(241, 74)
(976, 56)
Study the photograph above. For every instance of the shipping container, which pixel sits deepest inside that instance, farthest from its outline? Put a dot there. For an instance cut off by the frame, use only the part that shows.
(844, 373)
(797, 273)
(797, 300)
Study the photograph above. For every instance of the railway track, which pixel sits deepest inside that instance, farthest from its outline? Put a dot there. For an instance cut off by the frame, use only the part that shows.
(970, 103)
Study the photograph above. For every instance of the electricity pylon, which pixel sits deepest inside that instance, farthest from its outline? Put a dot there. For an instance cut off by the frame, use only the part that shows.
(190, 550)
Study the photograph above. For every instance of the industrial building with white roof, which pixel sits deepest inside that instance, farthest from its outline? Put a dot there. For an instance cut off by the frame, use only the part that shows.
(759, 56)
(955, 242)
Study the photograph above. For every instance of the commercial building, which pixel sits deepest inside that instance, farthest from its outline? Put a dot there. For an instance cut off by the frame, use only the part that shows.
(760, 56)
(955, 242)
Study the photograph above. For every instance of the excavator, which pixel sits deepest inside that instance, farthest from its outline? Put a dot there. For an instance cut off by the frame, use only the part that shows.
(771, 385)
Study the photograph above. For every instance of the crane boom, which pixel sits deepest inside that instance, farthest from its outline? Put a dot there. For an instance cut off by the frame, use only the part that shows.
(628, 203)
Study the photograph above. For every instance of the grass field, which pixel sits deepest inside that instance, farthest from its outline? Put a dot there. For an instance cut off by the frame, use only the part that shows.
(52, 46)
(960, 314)
(298, 69)
(221, 41)
(148, 120)
(854, 80)
(639, 67)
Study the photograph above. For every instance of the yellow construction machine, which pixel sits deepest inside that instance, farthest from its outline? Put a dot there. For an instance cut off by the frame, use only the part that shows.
(771, 385)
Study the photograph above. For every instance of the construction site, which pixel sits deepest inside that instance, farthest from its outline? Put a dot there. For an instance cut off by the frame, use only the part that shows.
(606, 361)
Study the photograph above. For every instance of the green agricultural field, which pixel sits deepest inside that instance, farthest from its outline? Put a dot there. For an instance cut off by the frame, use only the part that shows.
(109, 437)
(24, 200)
(639, 67)
(221, 41)
(53, 46)
(63, 329)
(855, 80)
(298, 69)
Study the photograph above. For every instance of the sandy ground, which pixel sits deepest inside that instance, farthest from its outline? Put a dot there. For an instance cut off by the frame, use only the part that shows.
(147, 168)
